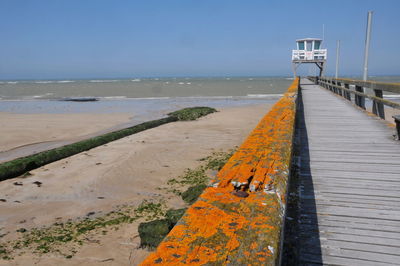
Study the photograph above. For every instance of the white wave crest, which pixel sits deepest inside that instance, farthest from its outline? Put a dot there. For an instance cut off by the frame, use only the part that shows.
(391, 96)
(43, 95)
(65, 81)
(103, 80)
(44, 82)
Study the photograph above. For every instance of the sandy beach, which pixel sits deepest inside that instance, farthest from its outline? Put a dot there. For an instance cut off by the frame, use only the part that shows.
(389, 112)
(123, 172)
(19, 130)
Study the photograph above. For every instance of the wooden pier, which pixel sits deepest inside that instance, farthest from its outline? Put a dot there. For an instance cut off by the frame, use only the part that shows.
(349, 193)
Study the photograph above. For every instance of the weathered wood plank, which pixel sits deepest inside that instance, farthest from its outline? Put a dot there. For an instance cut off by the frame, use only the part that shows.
(351, 224)
(326, 231)
(337, 173)
(309, 218)
(307, 259)
(368, 168)
(349, 194)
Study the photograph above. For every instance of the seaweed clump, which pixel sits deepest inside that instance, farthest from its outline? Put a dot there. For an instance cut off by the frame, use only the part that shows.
(192, 193)
(191, 113)
(152, 233)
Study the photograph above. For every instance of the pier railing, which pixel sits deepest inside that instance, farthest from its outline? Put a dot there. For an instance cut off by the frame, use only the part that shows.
(343, 87)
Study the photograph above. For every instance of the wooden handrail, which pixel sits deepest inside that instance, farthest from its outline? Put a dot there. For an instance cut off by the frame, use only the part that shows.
(373, 85)
(342, 87)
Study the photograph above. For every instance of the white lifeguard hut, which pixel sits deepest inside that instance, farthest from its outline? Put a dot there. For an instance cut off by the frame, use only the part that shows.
(309, 51)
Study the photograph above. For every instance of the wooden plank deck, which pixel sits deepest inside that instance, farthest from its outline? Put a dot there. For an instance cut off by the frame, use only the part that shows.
(349, 194)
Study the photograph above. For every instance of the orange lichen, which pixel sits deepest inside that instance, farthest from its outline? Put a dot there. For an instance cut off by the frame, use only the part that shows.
(222, 226)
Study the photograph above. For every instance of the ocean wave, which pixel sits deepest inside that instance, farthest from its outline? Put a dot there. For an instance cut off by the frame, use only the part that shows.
(12, 82)
(103, 80)
(44, 82)
(43, 95)
(135, 80)
(181, 83)
(391, 96)
(65, 81)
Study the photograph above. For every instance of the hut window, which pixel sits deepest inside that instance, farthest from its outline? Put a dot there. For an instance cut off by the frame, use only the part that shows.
(301, 45)
(309, 45)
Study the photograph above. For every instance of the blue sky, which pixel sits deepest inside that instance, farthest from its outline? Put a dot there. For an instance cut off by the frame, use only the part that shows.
(96, 38)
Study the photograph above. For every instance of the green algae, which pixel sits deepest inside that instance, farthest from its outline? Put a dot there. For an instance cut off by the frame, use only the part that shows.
(23, 165)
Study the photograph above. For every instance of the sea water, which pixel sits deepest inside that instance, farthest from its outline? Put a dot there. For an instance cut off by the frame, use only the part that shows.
(143, 88)
(144, 98)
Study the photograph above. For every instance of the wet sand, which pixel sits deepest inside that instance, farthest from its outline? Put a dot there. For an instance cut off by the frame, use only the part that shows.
(125, 171)
(389, 112)
(19, 130)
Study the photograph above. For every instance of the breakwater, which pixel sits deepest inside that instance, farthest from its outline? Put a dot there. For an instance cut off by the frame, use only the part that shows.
(239, 218)
(22, 165)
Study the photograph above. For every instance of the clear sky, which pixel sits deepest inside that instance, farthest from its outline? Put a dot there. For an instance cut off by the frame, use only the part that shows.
(113, 38)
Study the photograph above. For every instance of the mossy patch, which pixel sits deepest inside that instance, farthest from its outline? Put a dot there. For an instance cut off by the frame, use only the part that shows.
(64, 238)
(173, 215)
(189, 186)
(192, 193)
(151, 210)
(200, 176)
(218, 159)
(192, 113)
(152, 233)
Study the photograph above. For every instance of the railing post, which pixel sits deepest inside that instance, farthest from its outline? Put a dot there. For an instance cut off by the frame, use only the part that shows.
(336, 88)
(378, 108)
(333, 86)
(347, 94)
(360, 100)
(397, 121)
(340, 90)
